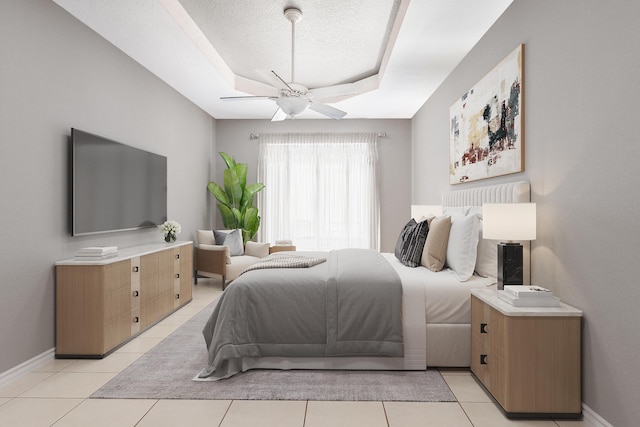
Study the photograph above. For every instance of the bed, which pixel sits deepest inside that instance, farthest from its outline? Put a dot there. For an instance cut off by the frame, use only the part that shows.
(435, 310)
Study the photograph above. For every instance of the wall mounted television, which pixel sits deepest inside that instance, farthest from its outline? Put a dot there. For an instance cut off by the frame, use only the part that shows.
(115, 187)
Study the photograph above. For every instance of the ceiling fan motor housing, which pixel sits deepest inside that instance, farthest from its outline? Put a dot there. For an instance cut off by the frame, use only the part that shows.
(293, 15)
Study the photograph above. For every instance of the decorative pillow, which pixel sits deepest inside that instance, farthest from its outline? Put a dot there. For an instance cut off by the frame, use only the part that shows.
(462, 248)
(413, 243)
(406, 230)
(231, 239)
(256, 249)
(487, 258)
(435, 247)
(205, 237)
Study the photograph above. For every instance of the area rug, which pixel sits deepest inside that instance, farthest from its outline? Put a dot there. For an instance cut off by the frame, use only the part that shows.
(167, 372)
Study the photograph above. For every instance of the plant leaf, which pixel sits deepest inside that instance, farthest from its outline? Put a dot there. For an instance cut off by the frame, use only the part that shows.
(230, 161)
(228, 218)
(218, 192)
(238, 216)
(249, 192)
(232, 187)
(241, 170)
(251, 223)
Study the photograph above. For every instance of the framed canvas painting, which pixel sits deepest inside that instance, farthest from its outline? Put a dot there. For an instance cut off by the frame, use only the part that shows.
(486, 137)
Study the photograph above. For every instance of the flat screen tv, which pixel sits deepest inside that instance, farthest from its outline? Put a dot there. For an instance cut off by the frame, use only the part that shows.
(115, 187)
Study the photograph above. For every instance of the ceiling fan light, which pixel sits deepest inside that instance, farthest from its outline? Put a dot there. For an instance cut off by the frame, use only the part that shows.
(293, 106)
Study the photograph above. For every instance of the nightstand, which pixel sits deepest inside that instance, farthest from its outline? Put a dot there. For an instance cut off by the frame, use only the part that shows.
(273, 249)
(527, 358)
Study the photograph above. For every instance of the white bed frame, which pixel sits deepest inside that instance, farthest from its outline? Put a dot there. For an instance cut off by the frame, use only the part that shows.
(445, 345)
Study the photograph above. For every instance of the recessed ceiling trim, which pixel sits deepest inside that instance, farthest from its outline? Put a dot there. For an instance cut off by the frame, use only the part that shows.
(184, 21)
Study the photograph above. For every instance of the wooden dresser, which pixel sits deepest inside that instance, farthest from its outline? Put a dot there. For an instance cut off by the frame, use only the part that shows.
(101, 305)
(527, 358)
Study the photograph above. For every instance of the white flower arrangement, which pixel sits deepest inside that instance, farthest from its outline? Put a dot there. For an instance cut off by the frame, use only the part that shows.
(170, 229)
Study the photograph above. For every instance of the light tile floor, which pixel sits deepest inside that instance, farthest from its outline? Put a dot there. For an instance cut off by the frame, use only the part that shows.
(56, 394)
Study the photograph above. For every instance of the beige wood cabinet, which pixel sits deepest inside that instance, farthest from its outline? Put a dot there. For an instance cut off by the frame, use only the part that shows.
(100, 305)
(528, 358)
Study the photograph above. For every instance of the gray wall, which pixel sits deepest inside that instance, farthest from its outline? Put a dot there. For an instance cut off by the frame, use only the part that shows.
(582, 149)
(394, 154)
(55, 74)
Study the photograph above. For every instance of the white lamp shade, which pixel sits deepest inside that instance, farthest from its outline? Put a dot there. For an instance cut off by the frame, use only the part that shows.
(509, 221)
(418, 211)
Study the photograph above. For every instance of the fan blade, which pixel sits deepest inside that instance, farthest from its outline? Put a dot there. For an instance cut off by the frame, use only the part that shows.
(336, 91)
(327, 110)
(279, 115)
(243, 98)
(273, 79)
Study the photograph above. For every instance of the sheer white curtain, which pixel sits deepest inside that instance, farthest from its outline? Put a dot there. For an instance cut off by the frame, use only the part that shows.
(321, 190)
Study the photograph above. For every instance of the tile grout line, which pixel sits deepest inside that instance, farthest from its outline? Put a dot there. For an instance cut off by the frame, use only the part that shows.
(386, 416)
(225, 413)
(146, 413)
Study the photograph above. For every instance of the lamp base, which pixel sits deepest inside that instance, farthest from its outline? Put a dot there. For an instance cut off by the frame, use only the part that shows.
(510, 269)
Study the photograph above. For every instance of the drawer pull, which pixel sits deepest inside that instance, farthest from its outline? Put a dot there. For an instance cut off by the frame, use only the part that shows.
(136, 269)
(177, 275)
(136, 319)
(483, 328)
(483, 359)
(136, 293)
(177, 256)
(177, 296)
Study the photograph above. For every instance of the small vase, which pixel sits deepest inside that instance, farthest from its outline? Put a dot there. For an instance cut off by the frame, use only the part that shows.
(169, 238)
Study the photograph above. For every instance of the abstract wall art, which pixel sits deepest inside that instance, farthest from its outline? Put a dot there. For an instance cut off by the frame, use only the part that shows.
(486, 137)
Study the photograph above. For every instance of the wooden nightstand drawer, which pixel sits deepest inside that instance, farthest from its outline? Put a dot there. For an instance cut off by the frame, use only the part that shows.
(527, 358)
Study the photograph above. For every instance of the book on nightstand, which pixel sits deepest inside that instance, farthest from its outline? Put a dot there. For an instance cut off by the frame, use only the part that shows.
(528, 296)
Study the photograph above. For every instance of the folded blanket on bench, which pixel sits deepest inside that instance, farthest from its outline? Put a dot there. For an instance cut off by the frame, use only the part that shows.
(286, 261)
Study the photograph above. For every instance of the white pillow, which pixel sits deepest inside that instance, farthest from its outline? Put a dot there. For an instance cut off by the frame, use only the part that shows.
(205, 237)
(487, 258)
(256, 249)
(462, 249)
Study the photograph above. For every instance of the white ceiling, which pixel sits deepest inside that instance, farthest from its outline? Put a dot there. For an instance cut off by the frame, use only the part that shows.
(397, 52)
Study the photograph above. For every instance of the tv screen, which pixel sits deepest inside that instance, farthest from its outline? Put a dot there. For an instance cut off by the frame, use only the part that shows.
(115, 187)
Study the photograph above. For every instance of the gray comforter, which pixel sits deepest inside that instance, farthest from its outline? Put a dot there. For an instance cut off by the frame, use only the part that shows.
(350, 305)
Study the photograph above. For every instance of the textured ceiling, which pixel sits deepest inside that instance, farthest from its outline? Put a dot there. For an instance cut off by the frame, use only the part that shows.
(397, 51)
(348, 49)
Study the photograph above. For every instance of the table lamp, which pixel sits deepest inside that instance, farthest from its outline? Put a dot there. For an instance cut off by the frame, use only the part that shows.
(509, 223)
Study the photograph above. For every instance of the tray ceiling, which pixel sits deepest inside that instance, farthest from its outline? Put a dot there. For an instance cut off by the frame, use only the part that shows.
(396, 51)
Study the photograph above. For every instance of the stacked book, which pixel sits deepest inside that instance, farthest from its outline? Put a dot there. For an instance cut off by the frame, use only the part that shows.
(528, 296)
(96, 253)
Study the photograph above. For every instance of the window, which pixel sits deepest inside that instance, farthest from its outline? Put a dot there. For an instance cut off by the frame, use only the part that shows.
(321, 190)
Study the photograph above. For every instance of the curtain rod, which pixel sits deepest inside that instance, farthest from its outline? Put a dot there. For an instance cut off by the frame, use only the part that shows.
(257, 135)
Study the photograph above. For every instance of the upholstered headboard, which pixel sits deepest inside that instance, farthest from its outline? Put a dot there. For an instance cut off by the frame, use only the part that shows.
(513, 192)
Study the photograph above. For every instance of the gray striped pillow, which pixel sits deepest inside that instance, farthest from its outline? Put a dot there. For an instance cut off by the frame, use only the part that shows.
(411, 243)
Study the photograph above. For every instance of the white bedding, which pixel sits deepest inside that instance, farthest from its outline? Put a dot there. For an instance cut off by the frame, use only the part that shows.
(446, 298)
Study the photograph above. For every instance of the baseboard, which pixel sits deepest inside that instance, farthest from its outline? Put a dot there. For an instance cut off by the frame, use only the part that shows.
(26, 367)
(592, 419)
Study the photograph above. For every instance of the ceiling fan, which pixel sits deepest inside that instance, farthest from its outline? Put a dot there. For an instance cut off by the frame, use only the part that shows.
(292, 98)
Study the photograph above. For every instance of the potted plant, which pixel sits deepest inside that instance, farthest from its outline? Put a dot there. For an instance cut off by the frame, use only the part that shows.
(235, 200)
